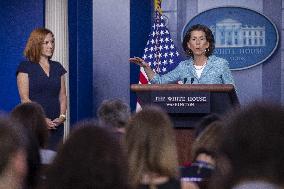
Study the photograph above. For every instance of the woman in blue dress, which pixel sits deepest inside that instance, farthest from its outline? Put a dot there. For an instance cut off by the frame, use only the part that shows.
(42, 80)
(201, 68)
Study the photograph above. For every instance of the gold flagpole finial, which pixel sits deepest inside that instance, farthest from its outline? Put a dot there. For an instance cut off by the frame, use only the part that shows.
(157, 4)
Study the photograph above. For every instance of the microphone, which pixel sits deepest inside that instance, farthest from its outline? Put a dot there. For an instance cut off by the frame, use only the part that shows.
(191, 80)
(184, 80)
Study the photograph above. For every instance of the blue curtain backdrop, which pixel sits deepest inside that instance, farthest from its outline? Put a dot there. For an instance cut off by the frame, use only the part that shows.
(17, 20)
(80, 59)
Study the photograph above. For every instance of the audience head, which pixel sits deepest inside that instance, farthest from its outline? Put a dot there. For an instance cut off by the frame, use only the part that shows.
(205, 151)
(204, 122)
(208, 142)
(151, 145)
(31, 115)
(31, 119)
(13, 165)
(254, 144)
(113, 113)
(90, 158)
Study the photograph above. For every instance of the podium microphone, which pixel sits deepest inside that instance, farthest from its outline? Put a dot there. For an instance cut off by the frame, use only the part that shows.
(191, 80)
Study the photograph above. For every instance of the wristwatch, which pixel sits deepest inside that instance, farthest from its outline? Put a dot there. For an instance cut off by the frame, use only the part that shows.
(63, 116)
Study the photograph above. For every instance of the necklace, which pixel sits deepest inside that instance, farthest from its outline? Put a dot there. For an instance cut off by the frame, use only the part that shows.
(199, 67)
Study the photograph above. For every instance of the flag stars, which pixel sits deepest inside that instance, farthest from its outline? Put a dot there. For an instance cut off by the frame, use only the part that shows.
(158, 70)
(156, 48)
(160, 51)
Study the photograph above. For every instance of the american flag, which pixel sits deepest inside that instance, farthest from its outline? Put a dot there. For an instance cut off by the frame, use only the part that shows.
(160, 51)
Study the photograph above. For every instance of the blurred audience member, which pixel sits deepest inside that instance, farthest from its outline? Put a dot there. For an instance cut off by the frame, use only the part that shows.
(31, 116)
(13, 164)
(205, 150)
(152, 151)
(114, 113)
(208, 141)
(253, 146)
(204, 122)
(90, 158)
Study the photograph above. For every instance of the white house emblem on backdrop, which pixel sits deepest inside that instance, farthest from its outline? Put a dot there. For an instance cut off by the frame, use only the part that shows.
(243, 36)
(231, 33)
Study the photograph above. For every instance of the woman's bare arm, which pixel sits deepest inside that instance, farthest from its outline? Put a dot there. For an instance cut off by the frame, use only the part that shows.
(23, 86)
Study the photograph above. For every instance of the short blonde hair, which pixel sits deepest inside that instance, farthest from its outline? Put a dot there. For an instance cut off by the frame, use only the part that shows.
(34, 45)
(151, 145)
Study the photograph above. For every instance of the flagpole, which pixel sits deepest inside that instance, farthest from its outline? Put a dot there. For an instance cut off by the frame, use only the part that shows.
(157, 5)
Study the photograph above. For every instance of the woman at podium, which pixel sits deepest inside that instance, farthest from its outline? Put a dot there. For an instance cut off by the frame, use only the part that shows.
(201, 68)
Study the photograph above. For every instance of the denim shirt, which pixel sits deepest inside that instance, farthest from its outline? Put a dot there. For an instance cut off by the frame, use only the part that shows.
(216, 71)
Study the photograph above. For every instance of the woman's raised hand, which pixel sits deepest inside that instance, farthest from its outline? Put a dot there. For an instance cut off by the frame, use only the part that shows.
(138, 61)
(147, 68)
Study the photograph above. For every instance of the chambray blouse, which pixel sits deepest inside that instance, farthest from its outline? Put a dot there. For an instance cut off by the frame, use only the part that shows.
(216, 71)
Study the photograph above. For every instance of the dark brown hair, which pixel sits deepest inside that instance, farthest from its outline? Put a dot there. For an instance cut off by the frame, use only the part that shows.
(209, 37)
(253, 143)
(90, 158)
(31, 115)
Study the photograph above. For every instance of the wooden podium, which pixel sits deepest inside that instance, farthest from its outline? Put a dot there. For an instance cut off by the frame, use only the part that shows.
(186, 104)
